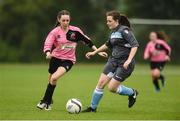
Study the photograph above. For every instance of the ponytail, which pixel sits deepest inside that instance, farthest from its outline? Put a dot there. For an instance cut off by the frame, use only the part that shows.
(124, 21)
(162, 35)
(56, 24)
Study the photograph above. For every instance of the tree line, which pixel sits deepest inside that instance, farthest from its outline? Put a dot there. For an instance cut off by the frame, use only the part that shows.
(24, 24)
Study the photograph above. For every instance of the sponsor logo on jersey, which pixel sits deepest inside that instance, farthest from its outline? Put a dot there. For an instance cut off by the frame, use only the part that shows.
(116, 35)
(67, 46)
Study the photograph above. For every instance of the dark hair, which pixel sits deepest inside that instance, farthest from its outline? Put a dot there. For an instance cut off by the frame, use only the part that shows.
(122, 19)
(161, 35)
(60, 13)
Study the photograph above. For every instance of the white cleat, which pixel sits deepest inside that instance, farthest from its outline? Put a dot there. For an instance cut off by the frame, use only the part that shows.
(42, 105)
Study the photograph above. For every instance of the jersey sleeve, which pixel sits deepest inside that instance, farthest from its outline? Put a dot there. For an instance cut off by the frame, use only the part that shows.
(146, 51)
(164, 46)
(130, 38)
(48, 44)
(108, 44)
(78, 36)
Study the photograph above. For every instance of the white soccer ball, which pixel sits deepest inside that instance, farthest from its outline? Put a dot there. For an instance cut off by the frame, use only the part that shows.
(74, 105)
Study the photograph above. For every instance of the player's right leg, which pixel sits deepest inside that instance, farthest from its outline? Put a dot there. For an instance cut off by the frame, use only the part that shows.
(155, 73)
(57, 68)
(98, 93)
(46, 102)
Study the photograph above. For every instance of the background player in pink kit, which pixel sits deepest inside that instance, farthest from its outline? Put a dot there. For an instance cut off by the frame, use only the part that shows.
(158, 52)
(59, 47)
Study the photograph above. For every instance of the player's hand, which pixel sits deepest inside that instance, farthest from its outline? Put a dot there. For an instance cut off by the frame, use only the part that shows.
(89, 54)
(48, 55)
(126, 64)
(103, 54)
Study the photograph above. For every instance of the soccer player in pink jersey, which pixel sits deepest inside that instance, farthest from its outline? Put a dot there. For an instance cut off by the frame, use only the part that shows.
(158, 52)
(60, 47)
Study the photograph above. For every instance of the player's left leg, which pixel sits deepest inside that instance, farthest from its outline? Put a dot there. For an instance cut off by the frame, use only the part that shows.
(162, 78)
(116, 87)
(115, 84)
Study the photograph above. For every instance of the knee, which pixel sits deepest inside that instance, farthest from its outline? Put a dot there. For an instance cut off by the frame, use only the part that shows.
(53, 80)
(155, 74)
(101, 85)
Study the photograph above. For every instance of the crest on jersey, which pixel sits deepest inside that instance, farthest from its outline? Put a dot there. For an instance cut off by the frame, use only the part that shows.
(126, 31)
(73, 36)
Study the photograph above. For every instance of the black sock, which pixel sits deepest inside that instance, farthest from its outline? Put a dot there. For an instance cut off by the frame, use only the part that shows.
(161, 77)
(49, 93)
(156, 84)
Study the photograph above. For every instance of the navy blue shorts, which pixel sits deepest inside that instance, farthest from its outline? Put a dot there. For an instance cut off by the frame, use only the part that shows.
(55, 63)
(113, 69)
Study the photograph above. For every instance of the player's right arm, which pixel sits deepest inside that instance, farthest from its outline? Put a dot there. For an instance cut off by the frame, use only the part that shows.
(48, 44)
(100, 49)
(146, 52)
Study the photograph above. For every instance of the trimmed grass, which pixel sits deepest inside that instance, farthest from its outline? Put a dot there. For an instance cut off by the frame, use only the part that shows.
(23, 85)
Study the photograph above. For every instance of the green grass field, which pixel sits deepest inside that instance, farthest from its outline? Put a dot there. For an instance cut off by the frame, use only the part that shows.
(23, 85)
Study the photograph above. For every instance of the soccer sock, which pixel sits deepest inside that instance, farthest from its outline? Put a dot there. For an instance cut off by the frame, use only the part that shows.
(96, 97)
(156, 84)
(49, 93)
(123, 90)
(161, 77)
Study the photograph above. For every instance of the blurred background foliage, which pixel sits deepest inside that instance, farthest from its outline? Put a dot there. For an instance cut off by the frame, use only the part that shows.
(24, 25)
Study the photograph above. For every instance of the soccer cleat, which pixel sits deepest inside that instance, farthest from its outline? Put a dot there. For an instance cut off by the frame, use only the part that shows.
(41, 105)
(89, 109)
(132, 98)
(157, 89)
(48, 107)
(44, 105)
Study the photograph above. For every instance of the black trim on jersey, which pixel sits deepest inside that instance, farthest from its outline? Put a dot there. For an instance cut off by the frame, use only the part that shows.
(76, 36)
(159, 46)
(47, 51)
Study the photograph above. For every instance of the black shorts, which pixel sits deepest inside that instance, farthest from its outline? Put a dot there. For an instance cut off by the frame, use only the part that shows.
(55, 63)
(157, 65)
(115, 70)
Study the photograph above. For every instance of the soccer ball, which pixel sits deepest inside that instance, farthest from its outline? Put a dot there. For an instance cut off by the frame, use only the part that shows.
(73, 105)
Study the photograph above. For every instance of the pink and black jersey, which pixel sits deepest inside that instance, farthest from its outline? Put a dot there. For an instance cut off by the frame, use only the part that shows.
(63, 44)
(157, 51)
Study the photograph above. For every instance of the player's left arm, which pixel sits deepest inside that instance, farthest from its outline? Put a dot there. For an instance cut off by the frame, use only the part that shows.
(80, 36)
(167, 48)
(129, 36)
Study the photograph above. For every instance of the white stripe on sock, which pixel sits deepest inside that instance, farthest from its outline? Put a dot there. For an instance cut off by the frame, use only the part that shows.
(99, 91)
